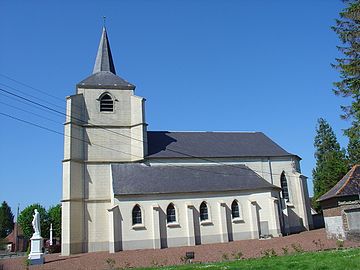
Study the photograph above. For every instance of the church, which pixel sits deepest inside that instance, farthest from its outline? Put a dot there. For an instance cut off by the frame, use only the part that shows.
(125, 187)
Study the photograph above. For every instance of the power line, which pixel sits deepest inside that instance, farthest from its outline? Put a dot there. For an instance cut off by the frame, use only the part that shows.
(31, 87)
(29, 112)
(69, 136)
(130, 137)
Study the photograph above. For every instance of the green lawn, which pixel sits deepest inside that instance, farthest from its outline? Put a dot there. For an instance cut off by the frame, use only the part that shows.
(335, 259)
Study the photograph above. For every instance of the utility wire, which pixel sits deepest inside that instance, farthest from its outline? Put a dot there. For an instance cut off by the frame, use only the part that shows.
(29, 112)
(174, 151)
(69, 136)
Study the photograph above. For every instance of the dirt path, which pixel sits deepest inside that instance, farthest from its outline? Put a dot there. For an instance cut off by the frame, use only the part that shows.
(313, 240)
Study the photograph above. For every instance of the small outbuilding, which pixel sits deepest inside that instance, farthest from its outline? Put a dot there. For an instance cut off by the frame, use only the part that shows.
(341, 207)
(16, 241)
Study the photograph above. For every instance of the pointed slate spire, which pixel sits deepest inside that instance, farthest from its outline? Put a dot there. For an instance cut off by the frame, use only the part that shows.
(104, 61)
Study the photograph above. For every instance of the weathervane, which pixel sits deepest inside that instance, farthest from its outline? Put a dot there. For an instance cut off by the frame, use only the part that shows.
(104, 21)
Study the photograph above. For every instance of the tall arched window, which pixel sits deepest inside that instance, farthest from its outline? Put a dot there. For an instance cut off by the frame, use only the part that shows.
(136, 215)
(171, 213)
(235, 211)
(106, 103)
(204, 215)
(284, 187)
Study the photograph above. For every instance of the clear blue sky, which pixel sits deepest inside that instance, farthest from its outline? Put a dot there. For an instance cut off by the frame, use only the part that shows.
(202, 65)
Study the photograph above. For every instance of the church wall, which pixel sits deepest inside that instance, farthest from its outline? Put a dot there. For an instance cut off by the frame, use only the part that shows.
(110, 133)
(121, 116)
(161, 234)
(97, 181)
(270, 169)
(96, 225)
(112, 144)
(93, 140)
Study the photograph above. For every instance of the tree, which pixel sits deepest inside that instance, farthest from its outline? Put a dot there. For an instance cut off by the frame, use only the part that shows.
(6, 220)
(348, 30)
(26, 216)
(55, 218)
(331, 163)
(353, 148)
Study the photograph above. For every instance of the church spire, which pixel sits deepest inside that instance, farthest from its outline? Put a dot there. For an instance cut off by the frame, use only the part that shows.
(104, 61)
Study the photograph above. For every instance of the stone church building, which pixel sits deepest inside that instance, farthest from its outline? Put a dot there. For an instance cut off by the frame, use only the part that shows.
(125, 187)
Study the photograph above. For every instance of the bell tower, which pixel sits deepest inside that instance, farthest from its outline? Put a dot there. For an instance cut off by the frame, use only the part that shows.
(105, 124)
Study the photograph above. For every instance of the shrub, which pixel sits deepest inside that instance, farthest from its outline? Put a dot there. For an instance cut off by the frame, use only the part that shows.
(340, 243)
(297, 248)
(269, 253)
(238, 255)
(285, 250)
(225, 257)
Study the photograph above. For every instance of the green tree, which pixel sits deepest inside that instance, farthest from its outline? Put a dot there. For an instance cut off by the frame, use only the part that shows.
(6, 220)
(353, 148)
(331, 163)
(25, 219)
(348, 30)
(55, 218)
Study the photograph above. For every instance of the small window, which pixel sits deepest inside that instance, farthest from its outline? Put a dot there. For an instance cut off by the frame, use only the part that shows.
(171, 213)
(235, 211)
(136, 215)
(204, 215)
(106, 103)
(284, 187)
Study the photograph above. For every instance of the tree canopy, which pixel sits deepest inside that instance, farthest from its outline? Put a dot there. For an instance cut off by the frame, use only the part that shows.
(26, 216)
(331, 163)
(348, 29)
(54, 213)
(6, 220)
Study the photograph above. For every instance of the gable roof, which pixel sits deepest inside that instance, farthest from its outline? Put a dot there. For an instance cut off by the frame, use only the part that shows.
(349, 185)
(139, 178)
(168, 144)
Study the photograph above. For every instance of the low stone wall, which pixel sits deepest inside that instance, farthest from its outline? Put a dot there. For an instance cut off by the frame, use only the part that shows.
(336, 221)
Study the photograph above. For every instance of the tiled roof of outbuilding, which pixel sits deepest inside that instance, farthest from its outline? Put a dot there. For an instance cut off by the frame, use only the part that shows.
(136, 178)
(349, 185)
(166, 144)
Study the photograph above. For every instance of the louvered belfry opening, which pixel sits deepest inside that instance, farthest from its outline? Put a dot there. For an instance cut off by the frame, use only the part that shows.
(106, 103)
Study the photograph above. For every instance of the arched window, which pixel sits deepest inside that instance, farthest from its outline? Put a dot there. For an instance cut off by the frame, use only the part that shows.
(136, 215)
(284, 187)
(106, 103)
(235, 211)
(204, 215)
(171, 213)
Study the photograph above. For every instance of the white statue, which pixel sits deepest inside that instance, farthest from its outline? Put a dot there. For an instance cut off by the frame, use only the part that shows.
(36, 223)
(36, 255)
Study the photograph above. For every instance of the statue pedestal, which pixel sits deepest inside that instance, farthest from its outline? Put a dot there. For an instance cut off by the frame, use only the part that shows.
(36, 255)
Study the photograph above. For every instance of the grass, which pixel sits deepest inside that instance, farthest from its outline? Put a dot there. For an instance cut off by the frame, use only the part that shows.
(321, 260)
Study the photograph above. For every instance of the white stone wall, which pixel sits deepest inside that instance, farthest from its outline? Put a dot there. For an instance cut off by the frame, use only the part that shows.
(334, 227)
(156, 233)
(270, 169)
(93, 140)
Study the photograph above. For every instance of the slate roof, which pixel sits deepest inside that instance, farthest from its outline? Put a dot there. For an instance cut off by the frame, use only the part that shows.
(105, 79)
(349, 185)
(104, 74)
(139, 178)
(104, 60)
(165, 144)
